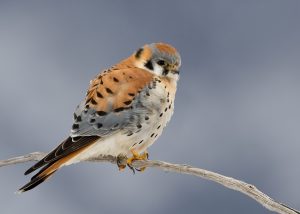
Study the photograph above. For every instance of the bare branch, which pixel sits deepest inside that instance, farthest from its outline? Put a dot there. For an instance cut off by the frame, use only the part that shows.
(231, 183)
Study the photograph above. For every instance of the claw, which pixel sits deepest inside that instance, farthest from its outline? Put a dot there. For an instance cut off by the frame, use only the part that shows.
(122, 161)
(131, 167)
(137, 156)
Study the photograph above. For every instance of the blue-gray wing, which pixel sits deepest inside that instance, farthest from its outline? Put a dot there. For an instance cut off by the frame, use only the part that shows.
(115, 101)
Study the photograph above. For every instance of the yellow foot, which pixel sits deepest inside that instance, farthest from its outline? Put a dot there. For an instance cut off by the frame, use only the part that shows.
(137, 156)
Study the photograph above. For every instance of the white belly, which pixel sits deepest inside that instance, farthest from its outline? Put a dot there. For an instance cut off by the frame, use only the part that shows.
(112, 145)
(119, 143)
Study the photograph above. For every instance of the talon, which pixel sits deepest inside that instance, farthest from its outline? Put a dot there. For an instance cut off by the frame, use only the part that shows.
(137, 156)
(132, 168)
(122, 161)
(141, 169)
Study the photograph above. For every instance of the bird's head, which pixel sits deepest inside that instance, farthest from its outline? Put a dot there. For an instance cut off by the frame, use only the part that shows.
(159, 58)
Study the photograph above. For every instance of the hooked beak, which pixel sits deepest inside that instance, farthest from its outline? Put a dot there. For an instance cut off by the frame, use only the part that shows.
(175, 71)
(173, 68)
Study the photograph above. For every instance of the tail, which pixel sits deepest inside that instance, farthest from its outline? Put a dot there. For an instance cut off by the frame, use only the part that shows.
(67, 150)
(45, 173)
(33, 183)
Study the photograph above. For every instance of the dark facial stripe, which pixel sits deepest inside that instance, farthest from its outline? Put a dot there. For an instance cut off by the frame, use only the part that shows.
(149, 65)
(165, 72)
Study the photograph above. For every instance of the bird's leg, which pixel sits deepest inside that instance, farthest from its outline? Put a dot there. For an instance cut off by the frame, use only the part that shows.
(137, 156)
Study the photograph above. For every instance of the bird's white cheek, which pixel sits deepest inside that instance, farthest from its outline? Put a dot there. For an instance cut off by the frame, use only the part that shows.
(140, 64)
(158, 70)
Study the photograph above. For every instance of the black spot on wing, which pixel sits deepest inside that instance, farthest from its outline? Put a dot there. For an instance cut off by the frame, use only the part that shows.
(108, 90)
(99, 125)
(101, 113)
(127, 102)
(93, 101)
(99, 94)
(78, 119)
(75, 126)
(131, 94)
(119, 109)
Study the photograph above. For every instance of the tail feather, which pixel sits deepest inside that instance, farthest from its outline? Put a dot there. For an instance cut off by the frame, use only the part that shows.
(47, 171)
(35, 182)
(67, 147)
(42, 175)
(56, 159)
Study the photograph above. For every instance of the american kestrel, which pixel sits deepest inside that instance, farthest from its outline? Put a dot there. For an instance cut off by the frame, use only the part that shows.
(125, 110)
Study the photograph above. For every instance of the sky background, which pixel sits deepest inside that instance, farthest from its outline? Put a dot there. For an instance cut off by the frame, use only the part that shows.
(236, 110)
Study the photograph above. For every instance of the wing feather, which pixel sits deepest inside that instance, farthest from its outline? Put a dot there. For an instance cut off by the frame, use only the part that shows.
(110, 102)
(67, 147)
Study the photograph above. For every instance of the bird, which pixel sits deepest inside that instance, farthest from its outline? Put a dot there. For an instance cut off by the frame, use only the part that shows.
(125, 110)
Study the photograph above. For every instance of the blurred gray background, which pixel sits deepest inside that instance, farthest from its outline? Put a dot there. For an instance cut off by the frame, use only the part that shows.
(236, 111)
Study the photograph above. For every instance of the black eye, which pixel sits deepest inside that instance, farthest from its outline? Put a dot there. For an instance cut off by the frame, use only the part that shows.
(161, 62)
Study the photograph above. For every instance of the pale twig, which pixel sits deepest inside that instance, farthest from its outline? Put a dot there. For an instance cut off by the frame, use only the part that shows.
(231, 183)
